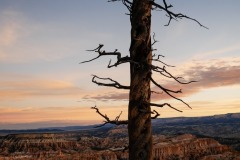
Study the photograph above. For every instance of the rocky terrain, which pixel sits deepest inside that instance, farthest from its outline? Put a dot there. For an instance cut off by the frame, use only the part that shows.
(205, 138)
(76, 146)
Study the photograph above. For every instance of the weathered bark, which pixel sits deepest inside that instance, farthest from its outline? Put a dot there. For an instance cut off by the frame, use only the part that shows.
(139, 110)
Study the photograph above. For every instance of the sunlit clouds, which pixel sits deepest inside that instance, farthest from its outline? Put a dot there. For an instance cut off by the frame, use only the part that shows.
(208, 74)
(42, 42)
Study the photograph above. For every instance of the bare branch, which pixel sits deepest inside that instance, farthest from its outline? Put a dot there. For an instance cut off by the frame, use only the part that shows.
(159, 55)
(158, 60)
(122, 60)
(172, 15)
(107, 120)
(156, 114)
(168, 90)
(150, 112)
(154, 41)
(176, 78)
(103, 53)
(164, 104)
(164, 72)
(113, 84)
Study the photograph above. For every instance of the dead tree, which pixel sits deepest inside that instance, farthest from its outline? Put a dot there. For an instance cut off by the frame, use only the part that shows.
(141, 70)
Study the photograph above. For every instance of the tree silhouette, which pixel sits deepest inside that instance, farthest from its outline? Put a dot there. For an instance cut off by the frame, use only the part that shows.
(141, 70)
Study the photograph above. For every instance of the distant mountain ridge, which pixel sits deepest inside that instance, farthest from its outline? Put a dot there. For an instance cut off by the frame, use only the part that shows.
(212, 137)
(230, 117)
(233, 118)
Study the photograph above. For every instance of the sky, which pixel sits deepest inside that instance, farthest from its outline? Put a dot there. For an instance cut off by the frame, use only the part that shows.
(42, 43)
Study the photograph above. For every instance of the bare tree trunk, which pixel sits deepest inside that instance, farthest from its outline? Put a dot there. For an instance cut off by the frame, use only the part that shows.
(139, 110)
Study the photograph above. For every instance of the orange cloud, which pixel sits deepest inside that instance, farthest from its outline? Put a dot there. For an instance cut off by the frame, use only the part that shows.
(28, 88)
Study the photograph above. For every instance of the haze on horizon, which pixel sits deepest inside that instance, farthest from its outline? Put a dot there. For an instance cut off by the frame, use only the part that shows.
(42, 43)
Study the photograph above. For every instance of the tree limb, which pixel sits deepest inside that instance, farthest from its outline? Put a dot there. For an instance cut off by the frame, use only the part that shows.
(158, 60)
(156, 114)
(172, 15)
(168, 90)
(113, 84)
(108, 121)
(151, 112)
(154, 41)
(102, 53)
(164, 72)
(164, 104)
(176, 78)
(122, 60)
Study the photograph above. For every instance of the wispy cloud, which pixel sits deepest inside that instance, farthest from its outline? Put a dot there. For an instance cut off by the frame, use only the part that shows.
(108, 96)
(21, 89)
(209, 74)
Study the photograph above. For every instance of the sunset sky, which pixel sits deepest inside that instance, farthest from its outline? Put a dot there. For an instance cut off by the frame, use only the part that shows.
(42, 43)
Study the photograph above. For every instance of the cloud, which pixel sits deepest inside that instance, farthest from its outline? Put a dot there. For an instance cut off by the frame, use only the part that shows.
(25, 88)
(109, 96)
(209, 74)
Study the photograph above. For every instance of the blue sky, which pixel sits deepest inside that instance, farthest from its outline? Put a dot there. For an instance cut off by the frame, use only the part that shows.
(42, 43)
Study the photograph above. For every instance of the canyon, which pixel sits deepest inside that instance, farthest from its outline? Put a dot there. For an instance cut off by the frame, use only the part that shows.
(76, 146)
(206, 138)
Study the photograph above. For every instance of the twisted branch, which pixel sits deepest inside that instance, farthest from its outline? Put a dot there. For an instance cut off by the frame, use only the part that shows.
(172, 15)
(164, 104)
(151, 112)
(156, 114)
(154, 41)
(176, 78)
(103, 53)
(167, 91)
(122, 60)
(107, 120)
(165, 73)
(113, 84)
(158, 60)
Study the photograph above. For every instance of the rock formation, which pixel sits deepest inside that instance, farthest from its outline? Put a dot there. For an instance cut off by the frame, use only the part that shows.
(75, 146)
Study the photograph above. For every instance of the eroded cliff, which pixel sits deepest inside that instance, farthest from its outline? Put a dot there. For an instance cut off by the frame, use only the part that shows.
(74, 146)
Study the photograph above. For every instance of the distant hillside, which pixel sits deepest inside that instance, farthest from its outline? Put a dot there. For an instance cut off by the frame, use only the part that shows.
(224, 118)
(224, 128)
(85, 141)
(230, 118)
